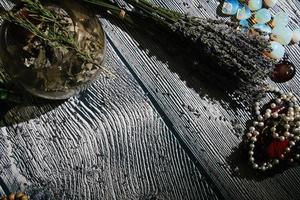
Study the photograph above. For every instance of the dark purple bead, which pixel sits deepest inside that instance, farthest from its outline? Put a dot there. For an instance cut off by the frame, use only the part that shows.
(283, 72)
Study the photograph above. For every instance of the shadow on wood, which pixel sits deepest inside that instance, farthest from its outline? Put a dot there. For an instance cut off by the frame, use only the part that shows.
(25, 108)
(186, 62)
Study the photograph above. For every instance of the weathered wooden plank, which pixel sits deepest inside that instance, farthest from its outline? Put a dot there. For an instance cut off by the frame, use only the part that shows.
(107, 143)
(200, 119)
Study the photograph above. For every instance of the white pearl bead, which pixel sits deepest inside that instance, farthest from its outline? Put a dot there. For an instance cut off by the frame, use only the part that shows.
(297, 156)
(268, 111)
(282, 138)
(288, 149)
(275, 115)
(252, 146)
(260, 118)
(292, 143)
(283, 96)
(282, 156)
(275, 135)
(297, 138)
(287, 134)
(273, 129)
(261, 124)
(270, 166)
(298, 123)
(291, 113)
(249, 135)
(263, 168)
(257, 112)
(255, 123)
(251, 128)
(251, 159)
(251, 153)
(287, 126)
(276, 161)
(253, 139)
(291, 160)
(278, 101)
(294, 99)
(296, 130)
(290, 94)
(255, 166)
(255, 133)
(273, 105)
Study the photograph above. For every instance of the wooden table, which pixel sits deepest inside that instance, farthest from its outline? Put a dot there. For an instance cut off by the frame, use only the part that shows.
(153, 131)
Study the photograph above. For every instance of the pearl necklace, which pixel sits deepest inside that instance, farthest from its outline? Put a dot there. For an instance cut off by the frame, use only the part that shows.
(280, 122)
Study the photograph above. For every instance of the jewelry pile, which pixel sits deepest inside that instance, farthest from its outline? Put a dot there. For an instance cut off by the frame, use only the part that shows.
(255, 18)
(275, 132)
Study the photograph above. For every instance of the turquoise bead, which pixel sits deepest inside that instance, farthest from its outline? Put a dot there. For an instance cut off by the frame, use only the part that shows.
(281, 19)
(296, 35)
(255, 4)
(282, 34)
(270, 3)
(243, 13)
(244, 23)
(263, 28)
(277, 50)
(230, 7)
(262, 16)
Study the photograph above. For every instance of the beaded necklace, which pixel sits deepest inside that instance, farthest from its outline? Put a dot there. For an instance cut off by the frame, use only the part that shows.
(275, 131)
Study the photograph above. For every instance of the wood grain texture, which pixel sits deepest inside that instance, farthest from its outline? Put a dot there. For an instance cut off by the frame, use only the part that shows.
(208, 128)
(107, 143)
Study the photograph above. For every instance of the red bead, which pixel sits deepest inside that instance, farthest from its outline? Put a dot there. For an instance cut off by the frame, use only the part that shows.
(279, 109)
(276, 148)
(283, 72)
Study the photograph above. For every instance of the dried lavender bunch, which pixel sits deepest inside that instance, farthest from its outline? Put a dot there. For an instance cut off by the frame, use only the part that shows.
(233, 59)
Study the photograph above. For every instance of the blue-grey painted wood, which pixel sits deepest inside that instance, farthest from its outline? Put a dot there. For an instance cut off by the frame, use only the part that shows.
(208, 128)
(109, 142)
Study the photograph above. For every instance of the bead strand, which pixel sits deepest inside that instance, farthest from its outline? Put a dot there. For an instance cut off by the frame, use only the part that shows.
(289, 119)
